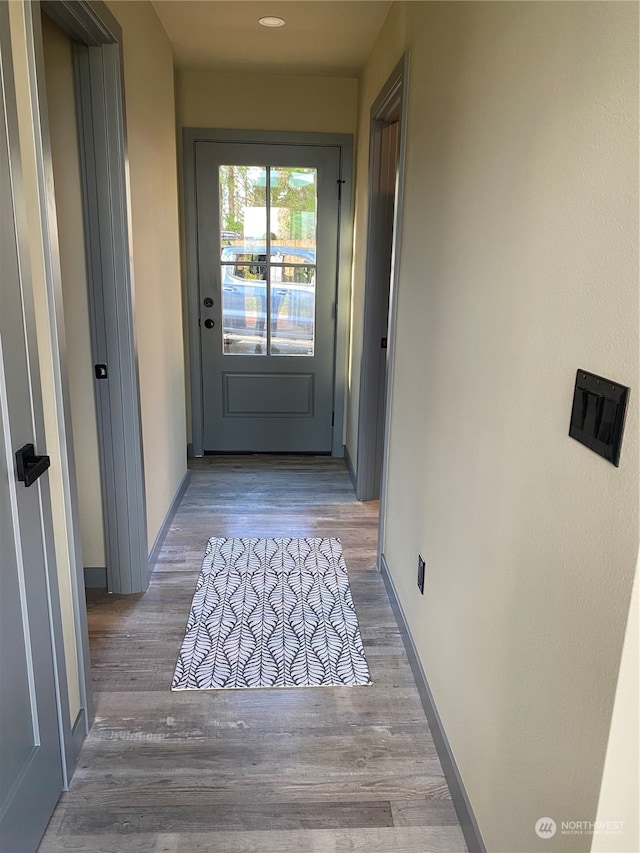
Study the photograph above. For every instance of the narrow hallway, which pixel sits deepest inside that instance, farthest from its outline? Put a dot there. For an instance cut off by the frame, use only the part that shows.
(266, 771)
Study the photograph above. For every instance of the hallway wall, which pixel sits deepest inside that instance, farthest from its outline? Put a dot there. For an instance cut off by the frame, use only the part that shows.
(618, 796)
(519, 264)
(150, 119)
(265, 102)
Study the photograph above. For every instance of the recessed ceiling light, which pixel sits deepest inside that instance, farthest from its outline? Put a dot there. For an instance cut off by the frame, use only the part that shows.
(271, 21)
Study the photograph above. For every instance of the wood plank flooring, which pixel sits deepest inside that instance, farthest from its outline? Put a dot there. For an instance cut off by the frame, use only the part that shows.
(312, 770)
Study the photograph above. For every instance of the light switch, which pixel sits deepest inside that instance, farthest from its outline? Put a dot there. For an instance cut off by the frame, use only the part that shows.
(593, 413)
(598, 413)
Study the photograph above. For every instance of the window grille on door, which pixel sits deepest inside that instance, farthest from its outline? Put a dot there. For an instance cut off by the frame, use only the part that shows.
(268, 259)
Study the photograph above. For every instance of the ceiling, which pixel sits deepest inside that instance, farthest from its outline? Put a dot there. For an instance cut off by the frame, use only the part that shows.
(321, 37)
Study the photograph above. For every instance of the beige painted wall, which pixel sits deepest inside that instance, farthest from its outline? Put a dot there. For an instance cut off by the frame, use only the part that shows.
(50, 355)
(66, 172)
(151, 137)
(266, 102)
(519, 264)
(620, 794)
(261, 102)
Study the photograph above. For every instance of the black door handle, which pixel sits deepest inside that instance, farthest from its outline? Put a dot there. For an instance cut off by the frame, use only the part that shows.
(209, 324)
(29, 466)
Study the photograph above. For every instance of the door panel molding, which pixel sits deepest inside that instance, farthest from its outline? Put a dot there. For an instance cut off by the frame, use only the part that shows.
(242, 400)
(192, 136)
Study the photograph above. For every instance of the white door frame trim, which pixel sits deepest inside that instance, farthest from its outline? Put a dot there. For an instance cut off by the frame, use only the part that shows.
(343, 286)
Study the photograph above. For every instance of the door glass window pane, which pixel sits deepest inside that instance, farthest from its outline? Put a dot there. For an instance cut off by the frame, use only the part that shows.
(243, 206)
(293, 308)
(244, 308)
(293, 201)
(267, 259)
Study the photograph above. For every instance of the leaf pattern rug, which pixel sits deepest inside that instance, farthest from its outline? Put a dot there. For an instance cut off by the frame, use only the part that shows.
(272, 613)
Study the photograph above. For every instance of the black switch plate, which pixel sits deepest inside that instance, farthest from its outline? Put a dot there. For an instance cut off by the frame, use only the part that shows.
(598, 414)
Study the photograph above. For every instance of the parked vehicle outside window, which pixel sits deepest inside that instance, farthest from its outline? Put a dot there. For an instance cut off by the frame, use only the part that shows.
(244, 299)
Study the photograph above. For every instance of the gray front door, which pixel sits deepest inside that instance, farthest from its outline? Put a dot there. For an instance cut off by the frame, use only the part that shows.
(30, 759)
(267, 227)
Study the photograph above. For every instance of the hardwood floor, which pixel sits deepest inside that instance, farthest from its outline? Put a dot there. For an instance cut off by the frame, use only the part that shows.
(312, 770)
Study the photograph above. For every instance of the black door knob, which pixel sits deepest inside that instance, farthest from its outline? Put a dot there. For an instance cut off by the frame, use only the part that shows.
(209, 324)
(208, 302)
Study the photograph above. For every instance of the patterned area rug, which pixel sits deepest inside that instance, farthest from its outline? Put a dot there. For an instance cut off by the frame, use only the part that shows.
(272, 613)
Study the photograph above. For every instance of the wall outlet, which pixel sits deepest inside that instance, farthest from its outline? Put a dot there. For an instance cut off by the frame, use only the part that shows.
(421, 574)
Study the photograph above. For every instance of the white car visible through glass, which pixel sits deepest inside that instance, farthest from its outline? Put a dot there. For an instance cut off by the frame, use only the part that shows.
(291, 274)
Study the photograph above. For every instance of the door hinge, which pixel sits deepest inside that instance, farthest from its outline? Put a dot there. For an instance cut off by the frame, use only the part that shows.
(383, 343)
(340, 183)
(333, 418)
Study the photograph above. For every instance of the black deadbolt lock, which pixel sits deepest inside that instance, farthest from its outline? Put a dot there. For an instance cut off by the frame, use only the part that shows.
(208, 302)
(209, 324)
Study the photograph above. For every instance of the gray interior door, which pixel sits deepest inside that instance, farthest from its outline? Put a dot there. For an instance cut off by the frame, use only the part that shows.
(383, 175)
(30, 759)
(267, 226)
